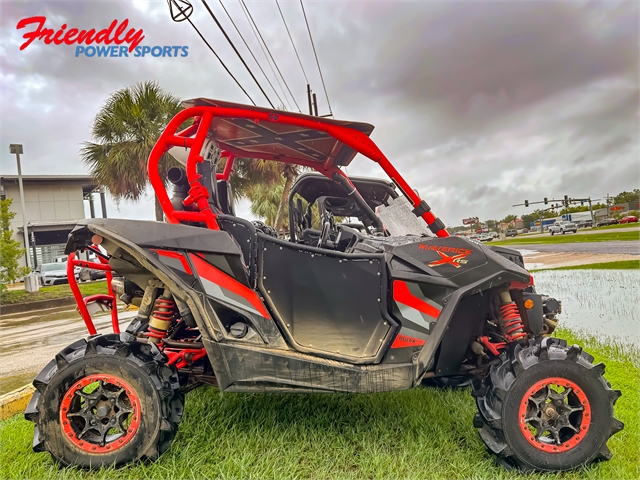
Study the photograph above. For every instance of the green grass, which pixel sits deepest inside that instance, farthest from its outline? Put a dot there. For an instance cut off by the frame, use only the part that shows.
(418, 434)
(573, 238)
(11, 297)
(619, 265)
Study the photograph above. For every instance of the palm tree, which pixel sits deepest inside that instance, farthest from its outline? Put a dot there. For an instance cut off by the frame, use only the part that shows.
(265, 202)
(124, 131)
(290, 173)
(258, 180)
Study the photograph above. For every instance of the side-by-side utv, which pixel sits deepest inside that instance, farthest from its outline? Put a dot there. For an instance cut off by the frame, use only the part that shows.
(368, 293)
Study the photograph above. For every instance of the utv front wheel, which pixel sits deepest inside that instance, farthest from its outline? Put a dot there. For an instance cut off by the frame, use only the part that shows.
(547, 408)
(106, 402)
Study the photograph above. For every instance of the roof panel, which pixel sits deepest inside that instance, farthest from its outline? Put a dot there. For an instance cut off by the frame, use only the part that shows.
(279, 138)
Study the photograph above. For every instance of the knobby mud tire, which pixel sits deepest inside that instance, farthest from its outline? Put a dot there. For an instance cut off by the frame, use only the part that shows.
(500, 396)
(138, 365)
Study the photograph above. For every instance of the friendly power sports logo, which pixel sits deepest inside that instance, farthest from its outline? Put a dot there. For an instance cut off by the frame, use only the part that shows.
(117, 40)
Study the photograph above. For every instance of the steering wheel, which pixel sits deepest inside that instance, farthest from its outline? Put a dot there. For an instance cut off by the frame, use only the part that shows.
(324, 234)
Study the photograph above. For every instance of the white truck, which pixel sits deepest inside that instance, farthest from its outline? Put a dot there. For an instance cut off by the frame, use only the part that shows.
(563, 227)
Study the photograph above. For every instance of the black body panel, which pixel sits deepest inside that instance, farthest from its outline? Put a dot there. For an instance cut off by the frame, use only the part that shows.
(329, 303)
(242, 368)
(245, 234)
(466, 321)
(159, 235)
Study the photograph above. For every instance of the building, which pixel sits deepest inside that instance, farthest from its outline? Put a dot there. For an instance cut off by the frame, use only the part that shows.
(53, 205)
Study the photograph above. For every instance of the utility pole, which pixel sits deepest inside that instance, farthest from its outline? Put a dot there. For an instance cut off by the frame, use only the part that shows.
(593, 220)
(309, 99)
(103, 203)
(16, 148)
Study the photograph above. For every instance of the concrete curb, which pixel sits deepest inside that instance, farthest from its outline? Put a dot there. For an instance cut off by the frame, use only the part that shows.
(40, 305)
(15, 401)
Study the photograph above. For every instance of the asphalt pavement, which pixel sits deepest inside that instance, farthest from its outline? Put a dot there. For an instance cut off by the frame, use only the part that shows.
(585, 231)
(629, 247)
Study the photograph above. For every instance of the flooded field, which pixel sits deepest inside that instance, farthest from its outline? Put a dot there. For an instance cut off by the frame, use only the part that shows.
(603, 303)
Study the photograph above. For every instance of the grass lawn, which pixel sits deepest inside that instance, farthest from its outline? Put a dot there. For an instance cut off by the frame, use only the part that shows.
(573, 238)
(421, 433)
(620, 265)
(11, 297)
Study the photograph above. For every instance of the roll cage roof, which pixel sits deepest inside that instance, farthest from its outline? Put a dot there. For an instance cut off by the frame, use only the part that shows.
(243, 131)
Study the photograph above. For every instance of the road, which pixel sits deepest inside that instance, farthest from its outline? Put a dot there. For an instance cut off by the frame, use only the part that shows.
(31, 339)
(584, 231)
(630, 247)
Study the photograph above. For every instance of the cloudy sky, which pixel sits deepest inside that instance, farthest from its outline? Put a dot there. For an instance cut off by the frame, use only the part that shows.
(479, 104)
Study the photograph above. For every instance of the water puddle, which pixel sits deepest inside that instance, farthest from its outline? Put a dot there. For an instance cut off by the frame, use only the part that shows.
(603, 303)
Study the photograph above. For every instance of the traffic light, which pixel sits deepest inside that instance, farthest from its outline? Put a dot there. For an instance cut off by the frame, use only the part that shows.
(526, 203)
(566, 200)
(545, 201)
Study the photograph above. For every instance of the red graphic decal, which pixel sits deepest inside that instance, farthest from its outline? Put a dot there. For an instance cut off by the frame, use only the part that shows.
(115, 33)
(402, 295)
(225, 281)
(439, 248)
(402, 341)
(177, 256)
(454, 260)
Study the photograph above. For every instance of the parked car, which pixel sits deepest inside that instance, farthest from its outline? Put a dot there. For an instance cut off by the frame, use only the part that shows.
(522, 230)
(52, 273)
(606, 222)
(89, 274)
(563, 227)
(511, 233)
(485, 237)
(494, 234)
(628, 219)
(584, 223)
(474, 236)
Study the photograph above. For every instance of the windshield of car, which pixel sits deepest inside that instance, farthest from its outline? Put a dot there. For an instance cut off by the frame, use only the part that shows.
(399, 220)
(54, 267)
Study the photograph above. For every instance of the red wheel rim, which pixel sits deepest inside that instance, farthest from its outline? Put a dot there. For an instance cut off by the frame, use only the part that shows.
(554, 415)
(100, 419)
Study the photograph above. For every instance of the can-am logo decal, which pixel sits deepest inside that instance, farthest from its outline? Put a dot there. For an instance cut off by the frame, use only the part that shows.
(456, 259)
(125, 40)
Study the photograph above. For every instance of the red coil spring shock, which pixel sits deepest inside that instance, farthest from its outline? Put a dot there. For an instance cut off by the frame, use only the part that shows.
(160, 322)
(512, 326)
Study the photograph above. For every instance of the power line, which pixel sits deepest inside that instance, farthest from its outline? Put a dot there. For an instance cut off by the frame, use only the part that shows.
(213, 51)
(292, 44)
(251, 52)
(285, 103)
(215, 19)
(316, 55)
(269, 52)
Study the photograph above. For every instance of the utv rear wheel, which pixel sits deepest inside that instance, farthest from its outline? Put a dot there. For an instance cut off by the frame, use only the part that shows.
(106, 402)
(547, 407)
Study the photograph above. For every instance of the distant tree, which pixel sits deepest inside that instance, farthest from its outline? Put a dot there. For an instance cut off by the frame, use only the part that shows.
(124, 131)
(625, 197)
(10, 249)
(508, 219)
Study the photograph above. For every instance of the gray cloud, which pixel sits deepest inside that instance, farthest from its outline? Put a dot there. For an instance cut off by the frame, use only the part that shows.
(479, 104)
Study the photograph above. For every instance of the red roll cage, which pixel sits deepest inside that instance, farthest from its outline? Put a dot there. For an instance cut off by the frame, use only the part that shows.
(334, 145)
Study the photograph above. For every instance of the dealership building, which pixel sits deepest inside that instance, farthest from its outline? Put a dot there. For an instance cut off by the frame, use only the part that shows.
(53, 205)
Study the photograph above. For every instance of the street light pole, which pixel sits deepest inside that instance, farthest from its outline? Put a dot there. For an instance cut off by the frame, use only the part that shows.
(17, 149)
